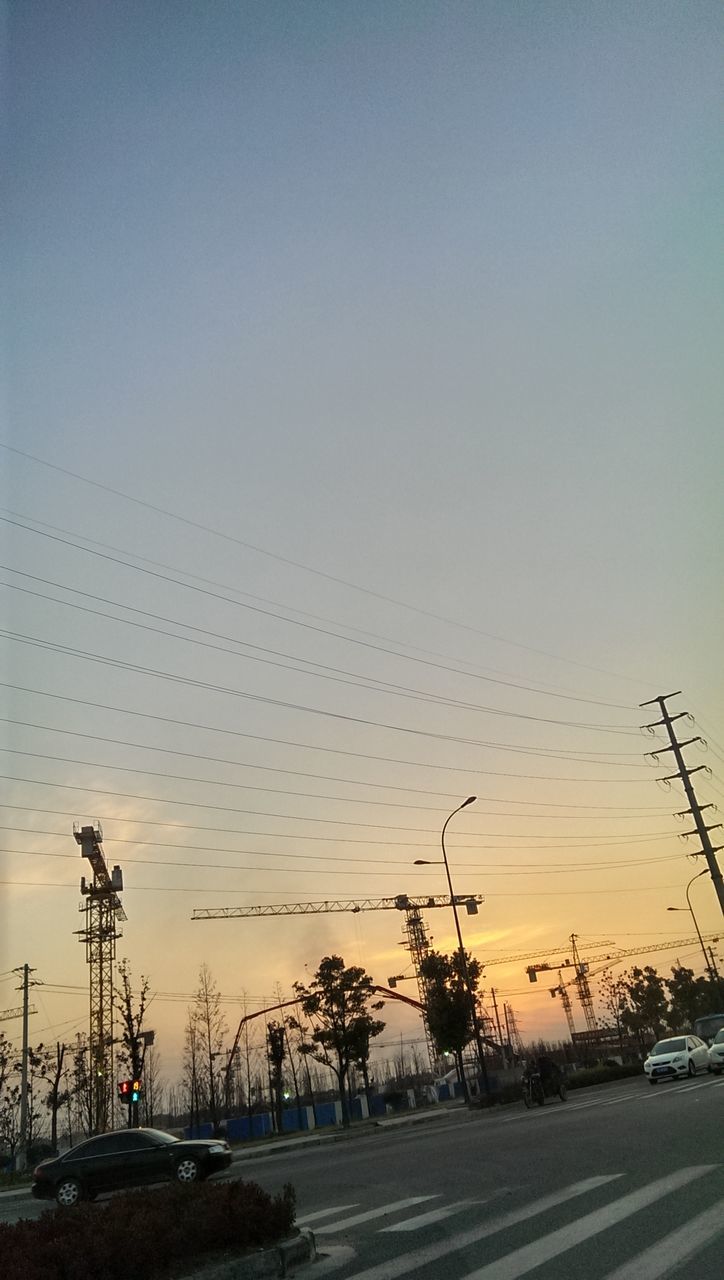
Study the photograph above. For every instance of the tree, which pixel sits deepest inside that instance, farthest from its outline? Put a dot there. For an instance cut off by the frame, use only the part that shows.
(276, 1053)
(132, 1011)
(56, 1097)
(338, 1000)
(205, 1033)
(81, 1092)
(690, 997)
(645, 1014)
(448, 1003)
(614, 1000)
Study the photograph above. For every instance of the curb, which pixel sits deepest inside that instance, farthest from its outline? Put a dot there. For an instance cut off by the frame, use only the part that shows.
(278, 1260)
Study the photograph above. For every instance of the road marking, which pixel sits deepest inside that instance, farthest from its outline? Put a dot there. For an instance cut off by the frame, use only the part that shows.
(521, 1261)
(380, 1212)
(418, 1258)
(324, 1213)
(433, 1215)
(674, 1249)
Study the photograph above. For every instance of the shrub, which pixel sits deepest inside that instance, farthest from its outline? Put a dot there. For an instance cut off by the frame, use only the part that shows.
(602, 1074)
(141, 1234)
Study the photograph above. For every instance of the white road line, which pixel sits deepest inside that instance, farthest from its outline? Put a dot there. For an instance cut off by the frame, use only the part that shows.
(521, 1261)
(674, 1249)
(433, 1215)
(418, 1258)
(383, 1209)
(324, 1213)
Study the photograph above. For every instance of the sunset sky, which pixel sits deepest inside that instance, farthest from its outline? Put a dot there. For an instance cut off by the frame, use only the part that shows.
(361, 451)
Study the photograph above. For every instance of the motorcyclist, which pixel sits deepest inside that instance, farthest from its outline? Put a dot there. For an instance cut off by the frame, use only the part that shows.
(549, 1071)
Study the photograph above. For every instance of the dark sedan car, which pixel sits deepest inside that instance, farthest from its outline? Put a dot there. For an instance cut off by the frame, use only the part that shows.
(127, 1158)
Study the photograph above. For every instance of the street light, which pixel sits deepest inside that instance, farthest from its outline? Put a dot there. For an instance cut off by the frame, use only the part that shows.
(707, 961)
(423, 862)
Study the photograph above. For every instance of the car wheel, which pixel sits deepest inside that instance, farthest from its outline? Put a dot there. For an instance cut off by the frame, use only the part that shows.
(188, 1170)
(68, 1192)
(652, 1082)
(692, 1068)
(563, 1091)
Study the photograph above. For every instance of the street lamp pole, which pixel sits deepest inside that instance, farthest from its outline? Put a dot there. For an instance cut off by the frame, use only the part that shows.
(463, 958)
(707, 961)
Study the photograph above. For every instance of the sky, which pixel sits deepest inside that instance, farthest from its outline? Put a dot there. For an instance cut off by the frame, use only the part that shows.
(361, 451)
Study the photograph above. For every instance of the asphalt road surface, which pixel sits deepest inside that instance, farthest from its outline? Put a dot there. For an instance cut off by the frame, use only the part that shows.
(623, 1182)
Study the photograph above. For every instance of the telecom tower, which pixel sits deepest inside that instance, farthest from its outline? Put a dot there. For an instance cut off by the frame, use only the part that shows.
(103, 911)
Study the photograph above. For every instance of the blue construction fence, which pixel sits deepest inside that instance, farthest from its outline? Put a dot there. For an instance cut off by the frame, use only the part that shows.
(294, 1120)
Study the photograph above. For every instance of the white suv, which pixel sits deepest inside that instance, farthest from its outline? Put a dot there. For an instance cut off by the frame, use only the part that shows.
(680, 1056)
(716, 1053)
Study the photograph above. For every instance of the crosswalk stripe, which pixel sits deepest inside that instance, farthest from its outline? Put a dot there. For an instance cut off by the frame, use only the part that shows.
(426, 1219)
(342, 1223)
(324, 1213)
(418, 1258)
(521, 1261)
(674, 1249)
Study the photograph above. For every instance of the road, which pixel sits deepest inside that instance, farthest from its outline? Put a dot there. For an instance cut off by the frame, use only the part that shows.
(623, 1182)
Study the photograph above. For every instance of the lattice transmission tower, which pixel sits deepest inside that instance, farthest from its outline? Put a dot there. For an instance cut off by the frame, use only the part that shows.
(103, 912)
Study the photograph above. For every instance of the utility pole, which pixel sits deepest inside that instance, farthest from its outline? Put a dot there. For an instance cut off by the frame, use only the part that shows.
(25, 988)
(683, 774)
(497, 1023)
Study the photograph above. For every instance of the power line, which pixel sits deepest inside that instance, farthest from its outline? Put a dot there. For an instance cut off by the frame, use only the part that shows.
(305, 746)
(217, 782)
(339, 675)
(244, 764)
(518, 893)
(120, 664)
(328, 577)
(193, 804)
(523, 869)
(464, 667)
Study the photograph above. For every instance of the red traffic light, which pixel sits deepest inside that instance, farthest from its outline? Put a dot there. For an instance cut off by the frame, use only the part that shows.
(124, 1090)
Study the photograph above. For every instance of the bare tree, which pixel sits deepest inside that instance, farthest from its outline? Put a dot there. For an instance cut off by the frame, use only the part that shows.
(132, 1010)
(211, 1028)
(152, 1085)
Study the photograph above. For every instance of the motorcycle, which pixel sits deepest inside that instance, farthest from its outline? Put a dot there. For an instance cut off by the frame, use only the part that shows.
(536, 1089)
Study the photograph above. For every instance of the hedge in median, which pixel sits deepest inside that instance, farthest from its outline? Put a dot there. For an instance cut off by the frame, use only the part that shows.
(142, 1234)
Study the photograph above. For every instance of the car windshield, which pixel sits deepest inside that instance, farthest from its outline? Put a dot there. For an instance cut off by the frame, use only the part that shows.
(719, 1037)
(668, 1046)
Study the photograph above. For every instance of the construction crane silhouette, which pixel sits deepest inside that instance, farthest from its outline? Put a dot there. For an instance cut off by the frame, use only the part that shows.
(583, 972)
(103, 911)
(7, 1014)
(416, 938)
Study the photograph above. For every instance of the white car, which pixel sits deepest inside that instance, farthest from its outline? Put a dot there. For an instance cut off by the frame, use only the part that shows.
(679, 1056)
(716, 1053)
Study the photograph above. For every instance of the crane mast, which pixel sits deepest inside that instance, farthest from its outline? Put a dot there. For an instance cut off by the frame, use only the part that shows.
(103, 910)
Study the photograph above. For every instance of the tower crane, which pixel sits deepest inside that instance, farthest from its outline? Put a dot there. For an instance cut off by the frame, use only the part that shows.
(7, 1014)
(582, 973)
(103, 912)
(417, 940)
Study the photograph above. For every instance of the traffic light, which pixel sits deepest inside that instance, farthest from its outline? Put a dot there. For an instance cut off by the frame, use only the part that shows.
(124, 1090)
(135, 1090)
